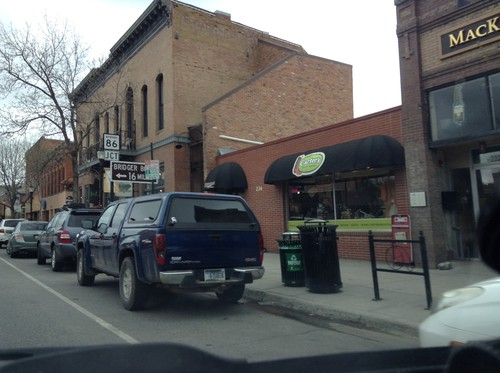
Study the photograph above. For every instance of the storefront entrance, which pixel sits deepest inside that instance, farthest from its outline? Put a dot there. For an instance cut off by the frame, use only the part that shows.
(471, 193)
(463, 222)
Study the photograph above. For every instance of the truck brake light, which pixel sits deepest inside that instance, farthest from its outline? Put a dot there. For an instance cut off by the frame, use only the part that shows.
(64, 237)
(160, 248)
(261, 248)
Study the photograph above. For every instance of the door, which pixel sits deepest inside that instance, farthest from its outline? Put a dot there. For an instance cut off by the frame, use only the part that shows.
(464, 227)
(110, 238)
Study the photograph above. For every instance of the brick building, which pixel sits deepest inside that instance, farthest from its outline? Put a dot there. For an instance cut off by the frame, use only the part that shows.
(450, 78)
(447, 124)
(330, 193)
(184, 85)
(49, 178)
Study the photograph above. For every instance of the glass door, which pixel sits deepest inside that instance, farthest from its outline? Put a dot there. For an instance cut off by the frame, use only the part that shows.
(488, 183)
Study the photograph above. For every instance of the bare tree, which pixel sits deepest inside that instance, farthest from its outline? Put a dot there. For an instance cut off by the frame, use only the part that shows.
(39, 69)
(12, 169)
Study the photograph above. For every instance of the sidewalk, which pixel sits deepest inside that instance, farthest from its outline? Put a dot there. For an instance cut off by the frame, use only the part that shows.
(403, 303)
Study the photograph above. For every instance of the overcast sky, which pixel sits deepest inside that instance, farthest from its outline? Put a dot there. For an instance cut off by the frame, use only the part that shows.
(361, 33)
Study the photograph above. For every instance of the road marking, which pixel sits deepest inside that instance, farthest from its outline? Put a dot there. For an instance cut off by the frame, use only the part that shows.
(106, 325)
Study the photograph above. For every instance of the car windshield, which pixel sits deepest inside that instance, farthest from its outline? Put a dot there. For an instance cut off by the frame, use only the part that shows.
(259, 180)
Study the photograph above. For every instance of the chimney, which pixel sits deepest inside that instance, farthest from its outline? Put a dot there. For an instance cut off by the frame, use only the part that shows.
(222, 14)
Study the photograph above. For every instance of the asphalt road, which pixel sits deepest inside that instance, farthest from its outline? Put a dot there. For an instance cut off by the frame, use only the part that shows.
(40, 308)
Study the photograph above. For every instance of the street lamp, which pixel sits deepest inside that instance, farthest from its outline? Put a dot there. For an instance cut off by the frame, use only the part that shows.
(31, 190)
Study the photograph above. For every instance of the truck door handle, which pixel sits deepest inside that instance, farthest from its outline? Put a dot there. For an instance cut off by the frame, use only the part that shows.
(215, 236)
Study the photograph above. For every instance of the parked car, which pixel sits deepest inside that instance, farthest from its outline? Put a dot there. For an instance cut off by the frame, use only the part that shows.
(23, 239)
(464, 315)
(6, 228)
(58, 240)
(191, 241)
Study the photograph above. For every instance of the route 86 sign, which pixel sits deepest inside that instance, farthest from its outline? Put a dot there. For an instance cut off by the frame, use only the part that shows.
(111, 142)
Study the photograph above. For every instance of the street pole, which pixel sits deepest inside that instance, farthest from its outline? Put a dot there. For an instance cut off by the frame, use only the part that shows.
(31, 190)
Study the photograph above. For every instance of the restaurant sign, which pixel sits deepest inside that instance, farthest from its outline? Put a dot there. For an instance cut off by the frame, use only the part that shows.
(470, 36)
(308, 164)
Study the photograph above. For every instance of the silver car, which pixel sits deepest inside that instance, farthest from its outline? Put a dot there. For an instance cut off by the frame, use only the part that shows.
(6, 228)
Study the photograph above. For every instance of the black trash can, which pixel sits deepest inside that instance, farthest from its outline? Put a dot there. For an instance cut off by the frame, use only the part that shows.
(292, 267)
(321, 259)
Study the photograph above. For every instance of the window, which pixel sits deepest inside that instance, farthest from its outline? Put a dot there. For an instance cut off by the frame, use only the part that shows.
(145, 111)
(159, 93)
(119, 215)
(370, 197)
(188, 212)
(145, 212)
(106, 122)
(97, 138)
(117, 119)
(465, 109)
(130, 116)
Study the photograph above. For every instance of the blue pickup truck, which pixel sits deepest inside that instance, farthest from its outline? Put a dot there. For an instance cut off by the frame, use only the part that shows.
(195, 241)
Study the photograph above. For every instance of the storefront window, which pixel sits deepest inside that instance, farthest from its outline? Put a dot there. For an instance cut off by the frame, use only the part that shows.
(465, 109)
(361, 198)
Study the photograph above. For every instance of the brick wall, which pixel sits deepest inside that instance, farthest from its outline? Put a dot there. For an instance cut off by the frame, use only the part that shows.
(298, 94)
(267, 201)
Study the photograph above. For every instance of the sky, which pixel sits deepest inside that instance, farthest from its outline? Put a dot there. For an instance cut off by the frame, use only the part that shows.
(361, 33)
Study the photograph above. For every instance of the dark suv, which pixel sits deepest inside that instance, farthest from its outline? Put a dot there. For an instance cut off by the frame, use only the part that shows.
(58, 239)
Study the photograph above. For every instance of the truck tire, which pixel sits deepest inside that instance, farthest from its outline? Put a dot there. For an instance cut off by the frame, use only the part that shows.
(81, 270)
(231, 294)
(40, 259)
(133, 292)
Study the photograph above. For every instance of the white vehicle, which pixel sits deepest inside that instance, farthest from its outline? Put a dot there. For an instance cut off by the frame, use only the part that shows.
(464, 315)
(6, 228)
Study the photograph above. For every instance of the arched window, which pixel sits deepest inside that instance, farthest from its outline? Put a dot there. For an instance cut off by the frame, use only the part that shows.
(159, 94)
(144, 110)
(129, 140)
(117, 119)
(97, 134)
(106, 122)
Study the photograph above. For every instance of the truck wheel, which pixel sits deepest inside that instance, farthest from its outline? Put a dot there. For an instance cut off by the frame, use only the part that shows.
(55, 265)
(133, 292)
(40, 258)
(81, 271)
(231, 294)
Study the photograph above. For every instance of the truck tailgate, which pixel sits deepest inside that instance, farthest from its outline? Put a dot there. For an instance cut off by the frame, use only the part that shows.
(197, 249)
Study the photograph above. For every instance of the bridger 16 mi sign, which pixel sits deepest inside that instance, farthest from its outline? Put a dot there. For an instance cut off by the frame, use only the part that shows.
(129, 171)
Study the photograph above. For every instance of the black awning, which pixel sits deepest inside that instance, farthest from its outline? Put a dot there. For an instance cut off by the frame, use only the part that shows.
(226, 178)
(368, 153)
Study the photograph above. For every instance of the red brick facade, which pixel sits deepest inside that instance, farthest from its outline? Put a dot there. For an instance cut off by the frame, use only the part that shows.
(268, 201)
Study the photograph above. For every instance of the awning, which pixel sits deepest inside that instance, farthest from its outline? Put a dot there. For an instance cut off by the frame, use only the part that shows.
(368, 153)
(227, 177)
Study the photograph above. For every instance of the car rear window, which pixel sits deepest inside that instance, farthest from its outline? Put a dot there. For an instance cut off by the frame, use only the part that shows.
(33, 226)
(11, 223)
(196, 211)
(75, 220)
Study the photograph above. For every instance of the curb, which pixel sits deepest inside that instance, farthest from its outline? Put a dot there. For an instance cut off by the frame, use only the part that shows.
(364, 321)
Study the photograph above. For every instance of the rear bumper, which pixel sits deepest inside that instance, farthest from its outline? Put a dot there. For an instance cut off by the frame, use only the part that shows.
(194, 278)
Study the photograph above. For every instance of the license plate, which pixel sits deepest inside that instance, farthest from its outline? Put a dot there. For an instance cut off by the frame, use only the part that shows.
(215, 274)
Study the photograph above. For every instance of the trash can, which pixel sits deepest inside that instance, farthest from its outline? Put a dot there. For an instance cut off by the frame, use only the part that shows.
(292, 267)
(320, 256)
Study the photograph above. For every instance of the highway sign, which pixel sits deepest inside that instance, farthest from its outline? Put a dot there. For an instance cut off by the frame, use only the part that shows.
(111, 142)
(111, 155)
(129, 171)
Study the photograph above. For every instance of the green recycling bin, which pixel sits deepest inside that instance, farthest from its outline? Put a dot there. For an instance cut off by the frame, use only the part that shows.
(292, 267)
(320, 255)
